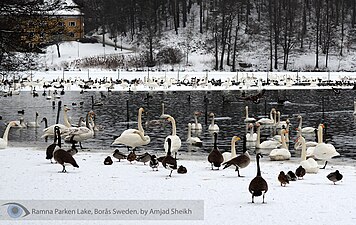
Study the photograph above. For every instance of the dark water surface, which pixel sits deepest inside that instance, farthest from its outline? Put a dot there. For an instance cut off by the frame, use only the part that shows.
(226, 105)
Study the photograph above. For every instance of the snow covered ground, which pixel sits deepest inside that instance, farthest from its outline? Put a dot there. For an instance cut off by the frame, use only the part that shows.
(27, 175)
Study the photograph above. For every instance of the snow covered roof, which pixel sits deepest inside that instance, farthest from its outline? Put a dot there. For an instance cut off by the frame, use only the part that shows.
(68, 8)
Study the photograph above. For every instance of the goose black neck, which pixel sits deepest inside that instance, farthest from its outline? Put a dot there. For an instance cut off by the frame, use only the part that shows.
(87, 121)
(169, 142)
(59, 140)
(45, 121)
(215, 140)
(244, 148)
(258, 164)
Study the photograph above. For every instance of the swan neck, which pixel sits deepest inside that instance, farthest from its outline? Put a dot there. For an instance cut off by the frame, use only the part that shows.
(304, 150)
(233, 148)
(189, 132)
(139, 121)
(283, 139)
(173, 126)
(246, 110)
(258, 137)
(196, 120)
(65, 117)
(320, 134)
(6, 132)
(300, 122)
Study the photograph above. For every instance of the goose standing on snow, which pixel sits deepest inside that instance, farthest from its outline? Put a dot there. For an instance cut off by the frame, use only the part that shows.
(280, 154)
(248, 119)
(213, 127)
(310, 165)
(215, 157)
(258, 186)
(322, 150)
(5, 137)
(229, 155)
(240, 161)
(134, 137)
(176, 143)
(35, 123)
(193, 140)
(169, 162)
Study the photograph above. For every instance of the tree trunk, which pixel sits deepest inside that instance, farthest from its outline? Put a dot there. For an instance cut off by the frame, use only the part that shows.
(58, 52)
(234, 51)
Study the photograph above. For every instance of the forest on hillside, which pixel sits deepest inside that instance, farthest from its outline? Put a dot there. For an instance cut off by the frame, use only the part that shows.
(285, 26)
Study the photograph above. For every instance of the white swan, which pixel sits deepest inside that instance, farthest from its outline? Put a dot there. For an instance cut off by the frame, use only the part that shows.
(20, 123)
(35, 123)
(269, 121)
(134, 137)
(213, 126)
(280, 124)
(251, 136)
(268, 144)
(175, 140)
(322, 150)
(5, 137)
(49, 131)
(308, 144)
(310, 165)
(248, 119)
(163, 115)
(280, 154)
(229, 155)
(354, 108)
(196, 125)
(193, 140)
(304, 129)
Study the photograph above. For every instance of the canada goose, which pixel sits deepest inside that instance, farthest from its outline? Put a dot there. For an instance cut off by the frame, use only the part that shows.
(240, 161)
(181, 169)
(291, 176)
(169, 162)
(334, 176)
(300, 172)
(154, 162)
(258, 185)
(108, 161)
(61, 156)
(215, 157)
(132, 156)
(283, 179)
(145, 157)
(119, 155)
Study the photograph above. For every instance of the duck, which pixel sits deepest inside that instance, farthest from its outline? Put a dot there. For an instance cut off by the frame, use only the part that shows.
(213, 127)
(240, 161)
(334, 176)
(80, 134)
(34, 124)
(154, 163)
(291, 176)
(258, 185)
(169, 162)
(108, 161)
(196, 125)
(248, 119)
(322, 150)
(283, 179)
(5, 138)
(61, 156)
(145, 157)
(280, 154)
(131, 156)
(267, 144)
(308, 130)
(229, 155)
(269, 121)
(134, 137)
(300, 172)
(310, 165)
(182, 170)
(176, 143)
(215, 157)
(119, 155)
(251, 136)
(193, 140)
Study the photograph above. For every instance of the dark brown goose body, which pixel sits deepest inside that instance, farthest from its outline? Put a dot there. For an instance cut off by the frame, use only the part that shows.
(154, 162)
(215, 157)
(258, 186)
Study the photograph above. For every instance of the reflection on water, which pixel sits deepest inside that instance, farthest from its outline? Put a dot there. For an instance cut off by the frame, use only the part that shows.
(314, 105)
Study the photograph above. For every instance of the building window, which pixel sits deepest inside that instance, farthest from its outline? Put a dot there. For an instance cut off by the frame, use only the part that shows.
(71, 34)
(72, 24)
(61, 24)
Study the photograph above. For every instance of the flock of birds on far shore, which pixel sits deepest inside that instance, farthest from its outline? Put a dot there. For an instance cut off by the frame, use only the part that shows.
(133, 138)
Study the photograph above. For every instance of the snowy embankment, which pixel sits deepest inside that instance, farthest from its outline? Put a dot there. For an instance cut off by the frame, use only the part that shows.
(27, 175)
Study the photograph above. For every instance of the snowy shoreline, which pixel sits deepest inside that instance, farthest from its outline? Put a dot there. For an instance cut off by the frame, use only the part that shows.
(27, 175)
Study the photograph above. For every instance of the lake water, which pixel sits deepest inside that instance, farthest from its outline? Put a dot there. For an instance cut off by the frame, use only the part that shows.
(316, 106)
